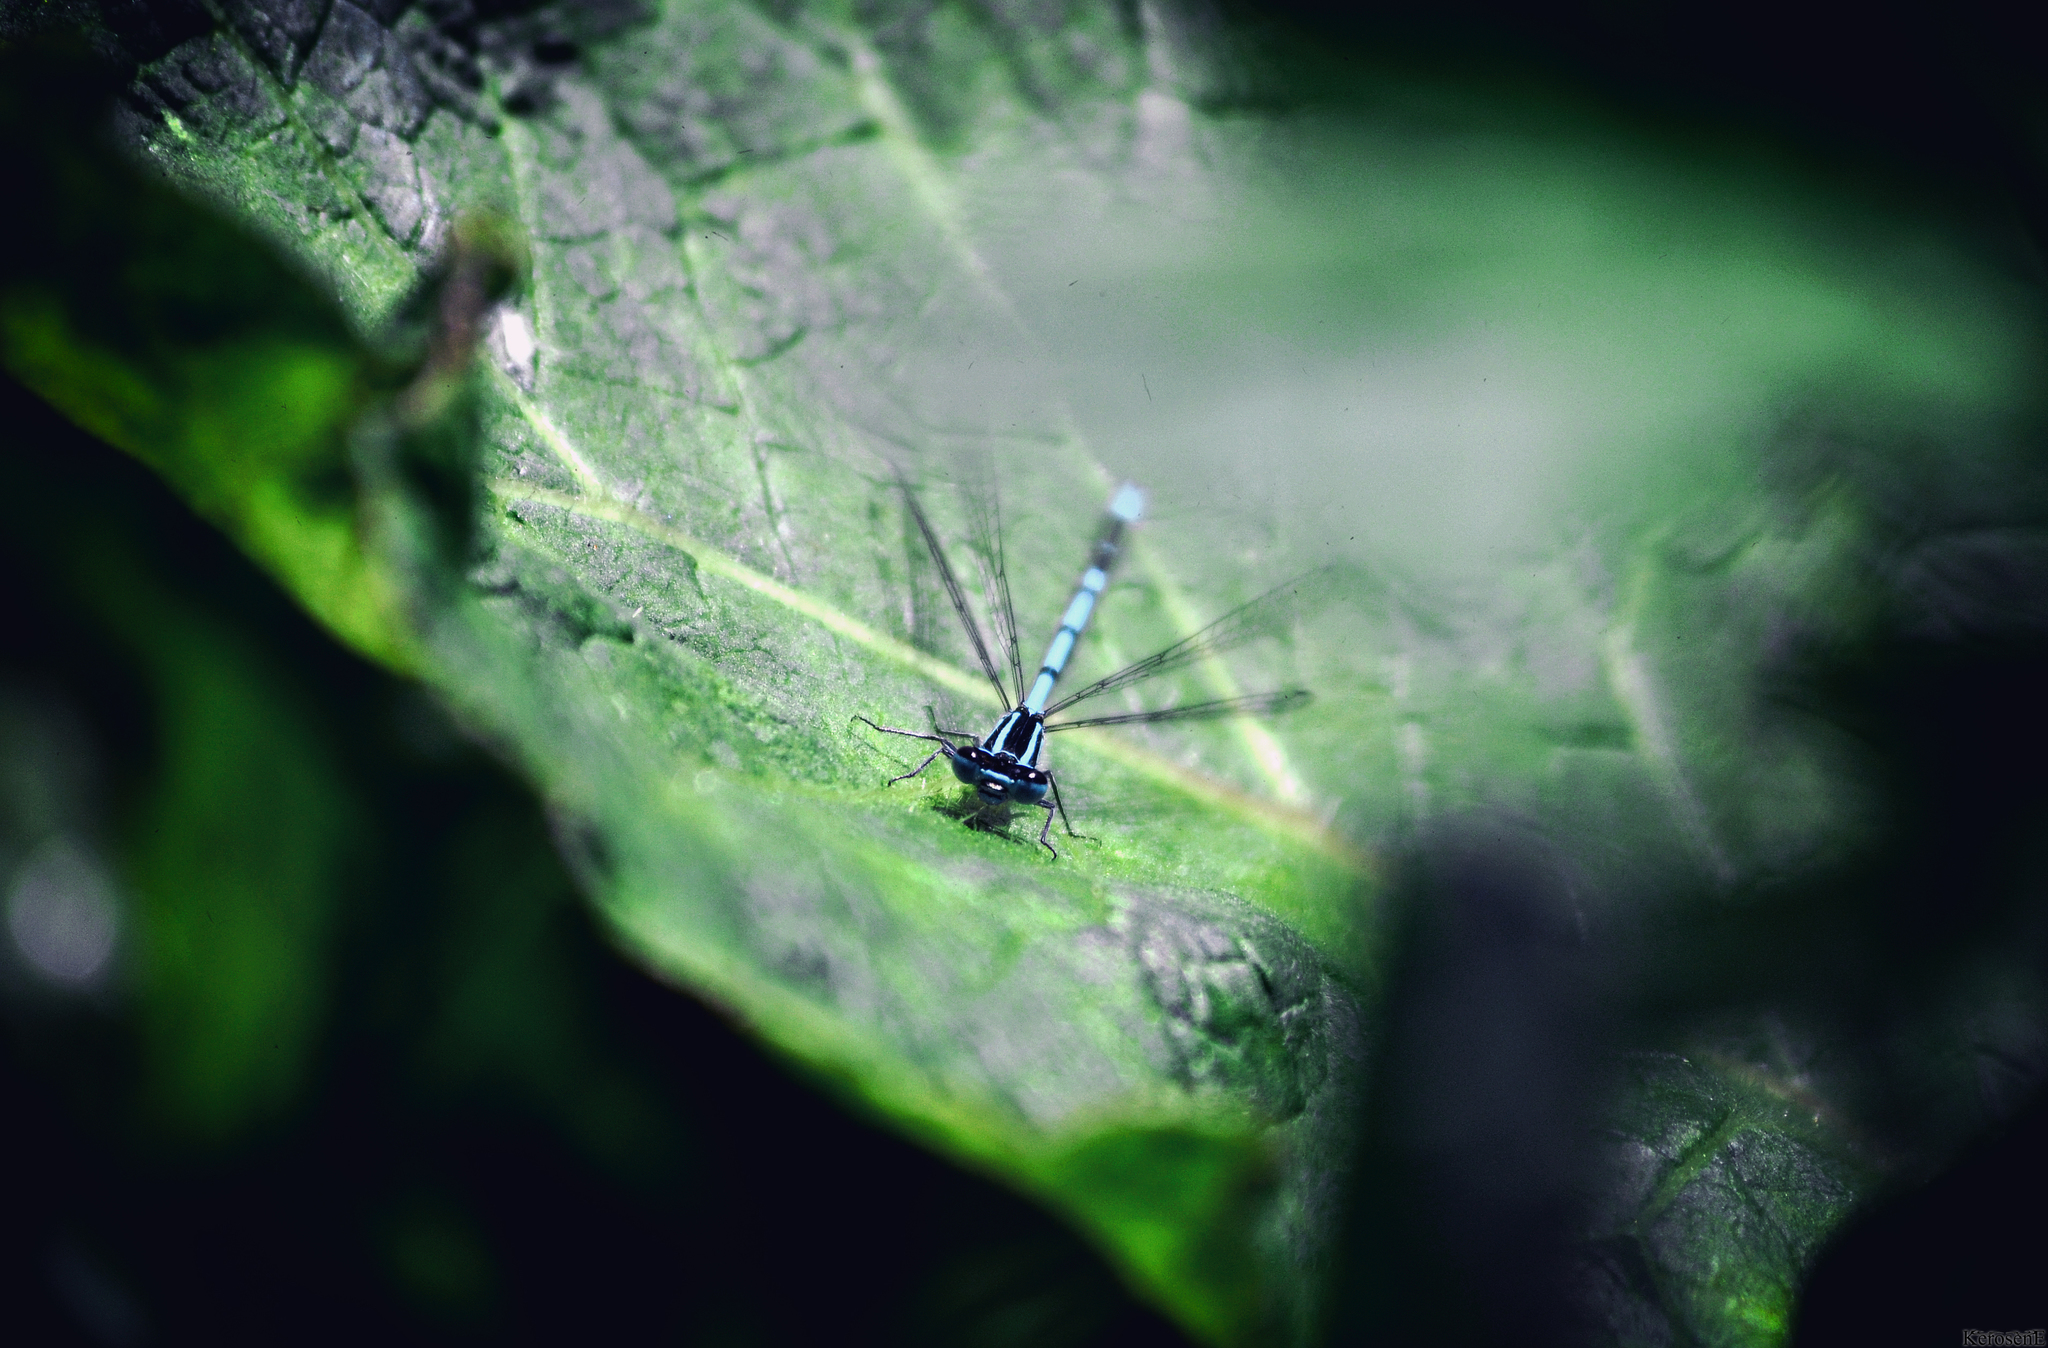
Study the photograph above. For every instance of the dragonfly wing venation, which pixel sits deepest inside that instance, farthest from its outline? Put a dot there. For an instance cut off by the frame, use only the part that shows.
(1252, 704)
(1248, 621)
(987, 512)
(953, 590)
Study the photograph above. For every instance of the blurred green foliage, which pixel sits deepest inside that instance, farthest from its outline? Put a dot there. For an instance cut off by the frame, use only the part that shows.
(1585, 957)
(352, 1045)
(356, 1053)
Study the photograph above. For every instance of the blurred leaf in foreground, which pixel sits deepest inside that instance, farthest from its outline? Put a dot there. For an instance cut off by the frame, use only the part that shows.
(1634, 470)
(298, 1009)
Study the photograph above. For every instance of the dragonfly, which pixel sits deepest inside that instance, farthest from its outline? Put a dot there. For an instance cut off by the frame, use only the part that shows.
(1007, 766)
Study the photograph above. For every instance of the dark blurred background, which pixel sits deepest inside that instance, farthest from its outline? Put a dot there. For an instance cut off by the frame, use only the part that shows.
(1942, 107)
(458, 1115)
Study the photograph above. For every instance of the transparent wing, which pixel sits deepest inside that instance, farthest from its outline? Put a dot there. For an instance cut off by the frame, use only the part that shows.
(952, 583)
(1253, 704)
(986, 509)
(1270, 613)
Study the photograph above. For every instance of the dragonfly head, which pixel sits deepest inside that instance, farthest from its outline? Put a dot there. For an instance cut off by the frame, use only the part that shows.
(998, 776)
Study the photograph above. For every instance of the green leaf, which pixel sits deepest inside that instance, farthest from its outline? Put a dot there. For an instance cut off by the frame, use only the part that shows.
(1724, 1184)
(200, 354)
(777, 256)
(1130, 1032)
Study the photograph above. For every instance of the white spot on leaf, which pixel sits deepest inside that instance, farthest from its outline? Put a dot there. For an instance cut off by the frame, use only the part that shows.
(517, 345)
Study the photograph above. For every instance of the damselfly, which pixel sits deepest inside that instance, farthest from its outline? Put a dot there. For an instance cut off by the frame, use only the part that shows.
(1008, 765)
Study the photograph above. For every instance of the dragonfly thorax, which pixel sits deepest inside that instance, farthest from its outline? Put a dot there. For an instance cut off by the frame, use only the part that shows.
(1004, 767)
(1018, 736)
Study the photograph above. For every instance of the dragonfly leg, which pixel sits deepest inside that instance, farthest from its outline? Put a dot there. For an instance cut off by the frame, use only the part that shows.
(892, 730)
(1064, 822)
(1043, 840)
(944, 747)
(914, 771)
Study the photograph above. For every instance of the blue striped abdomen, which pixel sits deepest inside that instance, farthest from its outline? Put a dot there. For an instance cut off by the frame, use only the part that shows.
(1124, 508)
